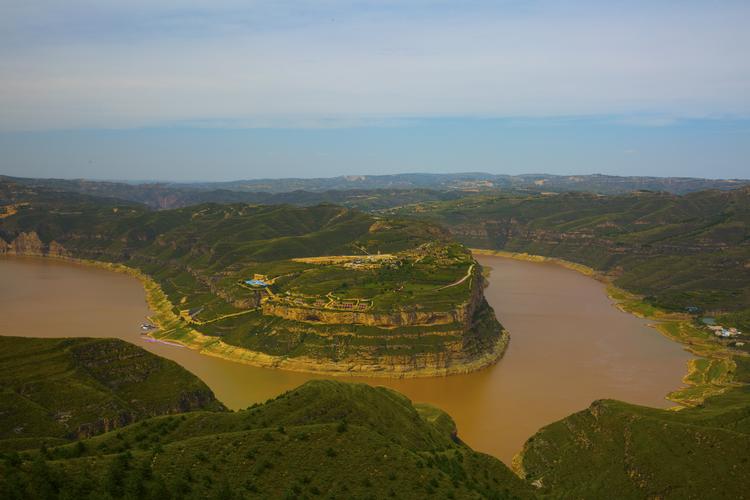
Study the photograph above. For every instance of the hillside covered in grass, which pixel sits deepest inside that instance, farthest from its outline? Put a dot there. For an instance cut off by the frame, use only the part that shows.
(619, 450)
(322, 287)
(329, 439)
(56, 390)
(323, 440)
(680, 252)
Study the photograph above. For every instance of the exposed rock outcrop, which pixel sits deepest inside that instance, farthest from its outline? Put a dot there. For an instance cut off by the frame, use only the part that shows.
(461, 314)
(31, 245)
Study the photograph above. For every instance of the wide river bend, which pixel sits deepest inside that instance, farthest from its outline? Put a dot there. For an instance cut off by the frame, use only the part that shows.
(569, 346)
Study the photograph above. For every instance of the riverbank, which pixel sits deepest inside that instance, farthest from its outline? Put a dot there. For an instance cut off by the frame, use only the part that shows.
(171, 327)
(557, 315)
(709, 375)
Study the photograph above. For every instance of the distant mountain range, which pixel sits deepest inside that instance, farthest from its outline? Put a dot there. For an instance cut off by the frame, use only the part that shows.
(369, 192)
(603, 184)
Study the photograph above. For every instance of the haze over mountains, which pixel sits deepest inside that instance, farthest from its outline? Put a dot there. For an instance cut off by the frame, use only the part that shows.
(357, 190)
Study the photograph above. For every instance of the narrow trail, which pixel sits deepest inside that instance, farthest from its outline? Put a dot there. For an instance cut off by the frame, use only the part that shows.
(218, 318)
(455, 283)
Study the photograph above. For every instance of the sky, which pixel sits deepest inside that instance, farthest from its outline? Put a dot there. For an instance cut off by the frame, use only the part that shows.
(237, 89)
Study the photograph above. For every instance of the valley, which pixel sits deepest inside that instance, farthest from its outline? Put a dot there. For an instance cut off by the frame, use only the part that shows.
(266, 300)
(556, 316)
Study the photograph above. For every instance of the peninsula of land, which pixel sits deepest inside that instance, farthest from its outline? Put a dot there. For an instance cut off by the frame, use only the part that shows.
(322, 289)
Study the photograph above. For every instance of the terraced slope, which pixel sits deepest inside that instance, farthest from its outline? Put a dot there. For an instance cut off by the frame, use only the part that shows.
(55, 390)
(392, 297)
(325, 439)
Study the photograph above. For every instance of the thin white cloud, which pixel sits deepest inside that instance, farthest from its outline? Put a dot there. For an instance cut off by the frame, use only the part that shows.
(221, 63)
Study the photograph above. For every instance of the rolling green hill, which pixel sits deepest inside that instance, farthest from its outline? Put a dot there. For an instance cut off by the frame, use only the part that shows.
(325, 439)
(397, 296)
(331, 439)
(678, 251)
(618, 450)
(55, 390)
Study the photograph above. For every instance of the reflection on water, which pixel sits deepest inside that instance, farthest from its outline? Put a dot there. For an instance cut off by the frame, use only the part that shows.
(568, 347)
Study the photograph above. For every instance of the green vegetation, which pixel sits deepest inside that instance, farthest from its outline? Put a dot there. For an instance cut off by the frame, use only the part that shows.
(325, 439)
(392, 293)
(337, 440)
(619, 450)
(677, 252)
(667, 255)
(53, 390)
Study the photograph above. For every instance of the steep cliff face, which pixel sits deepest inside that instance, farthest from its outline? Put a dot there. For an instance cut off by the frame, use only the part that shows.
(30, 244)
(462, 313)
(402, 342)
(390, 353)
(117, 418)
(383, 320)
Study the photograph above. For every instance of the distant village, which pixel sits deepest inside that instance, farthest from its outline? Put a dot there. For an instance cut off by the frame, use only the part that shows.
(727, 333)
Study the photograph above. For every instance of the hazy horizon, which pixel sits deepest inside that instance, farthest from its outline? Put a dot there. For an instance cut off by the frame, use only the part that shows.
(256, 179)
(224, 89)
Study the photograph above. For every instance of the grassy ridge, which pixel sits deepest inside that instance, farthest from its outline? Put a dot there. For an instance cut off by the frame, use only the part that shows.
(324, 439)
(620, 450)
(337, 440)
(62, 389)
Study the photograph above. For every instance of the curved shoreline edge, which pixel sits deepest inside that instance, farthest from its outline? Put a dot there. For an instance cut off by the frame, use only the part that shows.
(708, 375)
(173, 329)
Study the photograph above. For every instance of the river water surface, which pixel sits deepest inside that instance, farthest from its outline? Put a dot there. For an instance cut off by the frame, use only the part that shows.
(569, 346)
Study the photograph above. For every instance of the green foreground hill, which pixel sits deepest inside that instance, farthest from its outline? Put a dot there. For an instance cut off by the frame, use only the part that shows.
(325, 439)
(330, 439)
(620, 450)
(391, 295)
(55, 390)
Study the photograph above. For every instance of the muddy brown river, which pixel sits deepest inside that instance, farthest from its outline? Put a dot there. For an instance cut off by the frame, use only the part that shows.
(569, 346)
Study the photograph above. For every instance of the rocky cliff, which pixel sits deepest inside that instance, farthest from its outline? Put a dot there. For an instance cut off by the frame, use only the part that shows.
(461, 313)
(30, 244)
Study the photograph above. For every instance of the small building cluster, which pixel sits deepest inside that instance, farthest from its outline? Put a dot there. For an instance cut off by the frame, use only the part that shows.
(720, 331)
(350, 306)
(372, 262)
(259, 280)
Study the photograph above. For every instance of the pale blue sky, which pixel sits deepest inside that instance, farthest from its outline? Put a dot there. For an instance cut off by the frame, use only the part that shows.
(226, 89)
